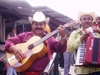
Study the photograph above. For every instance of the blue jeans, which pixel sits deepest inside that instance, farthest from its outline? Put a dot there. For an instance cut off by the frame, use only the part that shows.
(11, 71)
(68, 61)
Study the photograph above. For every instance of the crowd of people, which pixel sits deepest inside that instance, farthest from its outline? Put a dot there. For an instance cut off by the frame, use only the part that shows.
(66, 46)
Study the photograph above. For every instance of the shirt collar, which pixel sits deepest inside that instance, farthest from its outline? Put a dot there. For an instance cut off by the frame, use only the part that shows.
(81, 31)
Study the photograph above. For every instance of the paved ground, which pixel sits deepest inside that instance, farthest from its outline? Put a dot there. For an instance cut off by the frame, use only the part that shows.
(71, 71)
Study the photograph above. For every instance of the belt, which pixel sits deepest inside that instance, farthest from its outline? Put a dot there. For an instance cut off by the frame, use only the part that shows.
(33, 73)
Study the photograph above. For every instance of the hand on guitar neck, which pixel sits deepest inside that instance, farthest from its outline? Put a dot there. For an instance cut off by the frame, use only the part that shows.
(64, 27)
(62, 30)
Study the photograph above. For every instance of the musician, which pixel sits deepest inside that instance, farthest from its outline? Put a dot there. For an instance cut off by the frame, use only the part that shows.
(77, 37)
(97, 21)
(68, 59)
(10, 70)
(12, 33)
(96, 26)
(38, 23)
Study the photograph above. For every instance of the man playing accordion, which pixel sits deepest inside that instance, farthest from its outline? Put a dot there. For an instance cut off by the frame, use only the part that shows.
(80, 35)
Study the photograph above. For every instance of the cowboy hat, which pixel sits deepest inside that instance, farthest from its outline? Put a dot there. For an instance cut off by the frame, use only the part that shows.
(80, 14)
(97, 17)
(39, 17)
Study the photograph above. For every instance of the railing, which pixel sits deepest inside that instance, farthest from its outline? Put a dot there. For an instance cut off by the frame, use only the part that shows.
(53, 63)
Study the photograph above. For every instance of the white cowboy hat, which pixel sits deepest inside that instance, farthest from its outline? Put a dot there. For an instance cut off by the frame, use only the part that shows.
(96, 17)
(39, 17)
(80, 14)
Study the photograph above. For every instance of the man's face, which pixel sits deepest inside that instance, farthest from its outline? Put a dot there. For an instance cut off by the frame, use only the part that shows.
(38, 27)
(14, 31)
(98, 20)
(86, 21)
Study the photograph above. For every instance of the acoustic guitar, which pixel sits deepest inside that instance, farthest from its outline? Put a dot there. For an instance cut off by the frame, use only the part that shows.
(34, 48)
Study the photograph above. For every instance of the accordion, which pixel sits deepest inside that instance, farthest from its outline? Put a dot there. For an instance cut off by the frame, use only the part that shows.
(89, 52)
(92, 51)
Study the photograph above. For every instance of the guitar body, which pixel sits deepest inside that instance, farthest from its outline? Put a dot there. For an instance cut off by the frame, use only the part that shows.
(31, 55)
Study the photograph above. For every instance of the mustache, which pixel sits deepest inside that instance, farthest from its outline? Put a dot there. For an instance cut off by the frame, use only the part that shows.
(38, 28)
(86, 22)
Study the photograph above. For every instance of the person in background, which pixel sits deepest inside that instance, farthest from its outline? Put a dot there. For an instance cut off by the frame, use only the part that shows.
(2, 61)
(97, 21)
(12, 33)
(38, 23)
(10, 70)
(96, 26)
(47, 28)
(68, 58)
(77, 37)
(61, 60)
(60, 56)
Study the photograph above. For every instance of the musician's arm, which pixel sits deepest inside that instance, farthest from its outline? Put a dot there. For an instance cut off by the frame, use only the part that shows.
(12, 41)
(56, 46)
(62, 45)
(12, 48)
(73, 41)
(64, 39)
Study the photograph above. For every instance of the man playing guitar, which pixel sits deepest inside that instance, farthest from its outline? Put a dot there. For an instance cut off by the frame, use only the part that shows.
(38, 23)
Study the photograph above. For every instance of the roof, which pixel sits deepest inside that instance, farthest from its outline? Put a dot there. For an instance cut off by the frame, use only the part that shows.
(21, 10)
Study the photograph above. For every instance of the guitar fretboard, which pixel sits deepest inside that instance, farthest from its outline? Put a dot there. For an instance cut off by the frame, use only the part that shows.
(45, 37)
(69, 24)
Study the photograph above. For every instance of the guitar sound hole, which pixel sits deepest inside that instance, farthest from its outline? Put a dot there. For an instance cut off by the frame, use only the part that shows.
(30, 46)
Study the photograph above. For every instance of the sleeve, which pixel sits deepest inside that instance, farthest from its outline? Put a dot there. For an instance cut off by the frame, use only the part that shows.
(73, 42)
(58, 37)
(56, 45)
(13, 40)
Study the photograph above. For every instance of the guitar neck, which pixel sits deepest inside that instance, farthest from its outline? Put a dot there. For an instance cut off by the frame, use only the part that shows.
(69, 24)
(46, 37)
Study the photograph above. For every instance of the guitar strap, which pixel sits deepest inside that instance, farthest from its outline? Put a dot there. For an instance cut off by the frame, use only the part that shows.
(49, 51)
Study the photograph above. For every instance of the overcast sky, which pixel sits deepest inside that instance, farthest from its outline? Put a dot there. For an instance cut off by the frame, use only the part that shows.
(69, 8)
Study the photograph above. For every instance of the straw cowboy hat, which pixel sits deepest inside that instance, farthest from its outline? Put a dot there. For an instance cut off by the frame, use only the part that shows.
(97, 17)
(80, 14)
(39, 17)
